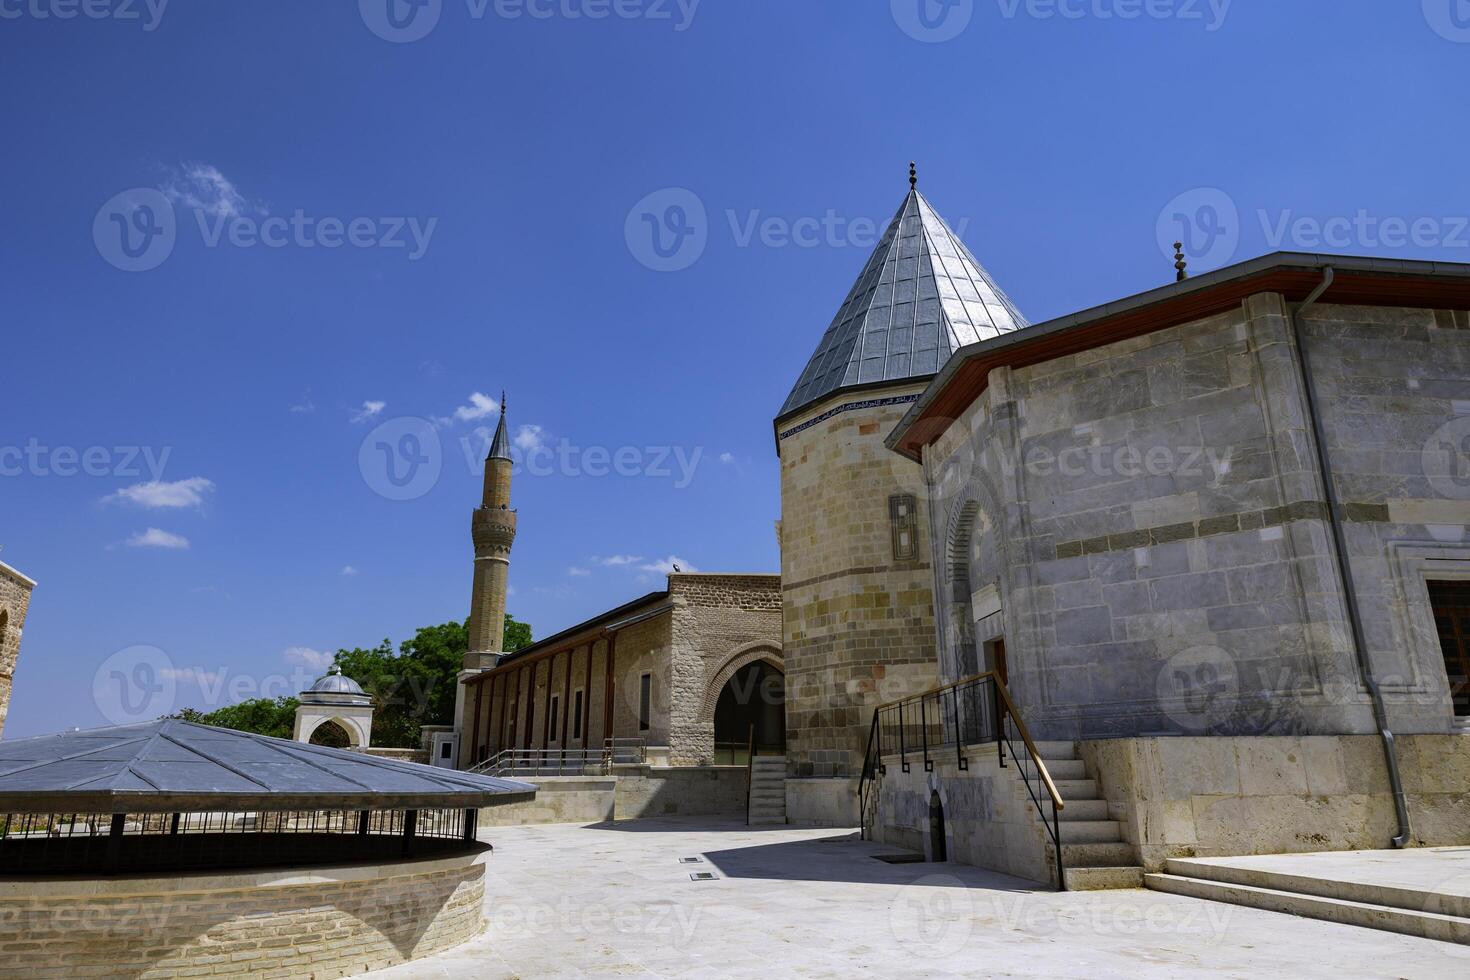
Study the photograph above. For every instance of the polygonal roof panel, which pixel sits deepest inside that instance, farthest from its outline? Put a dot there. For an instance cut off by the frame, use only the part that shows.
(921, 297)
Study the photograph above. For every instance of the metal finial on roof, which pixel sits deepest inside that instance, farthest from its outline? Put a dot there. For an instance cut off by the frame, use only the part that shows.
(913, 175)
(1179, 262)
(500, 443)
(336, 669)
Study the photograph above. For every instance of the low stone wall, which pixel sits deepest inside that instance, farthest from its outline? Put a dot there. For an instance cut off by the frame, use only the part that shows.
(631, 792)
(822, 802)
(989, 820)
(559, 799)
(1214, 797)
(325, 922)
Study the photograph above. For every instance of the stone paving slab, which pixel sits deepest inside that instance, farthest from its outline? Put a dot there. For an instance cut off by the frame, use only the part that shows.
(613, 900)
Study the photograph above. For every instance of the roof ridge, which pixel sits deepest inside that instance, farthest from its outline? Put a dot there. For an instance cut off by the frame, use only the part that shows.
(219, 762)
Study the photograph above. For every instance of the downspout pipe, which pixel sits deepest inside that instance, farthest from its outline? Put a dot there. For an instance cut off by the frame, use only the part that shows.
(1344, 566)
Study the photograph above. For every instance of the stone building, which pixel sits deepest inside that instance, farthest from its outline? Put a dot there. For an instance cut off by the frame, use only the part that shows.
(1215, 538)
(856, 559)
(15, 601)
(677, 677)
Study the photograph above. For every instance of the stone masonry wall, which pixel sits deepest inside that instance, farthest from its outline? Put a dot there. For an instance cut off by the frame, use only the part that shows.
(1151, 518)
(718, 621)
(15, 601)
(318, 924)
(858, 621)
(1215, 797)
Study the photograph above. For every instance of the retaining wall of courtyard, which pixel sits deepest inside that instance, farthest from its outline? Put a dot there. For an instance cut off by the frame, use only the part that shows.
(325, 922)
(631, 792)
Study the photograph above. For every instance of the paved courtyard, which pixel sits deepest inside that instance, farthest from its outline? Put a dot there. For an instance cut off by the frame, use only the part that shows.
(614, 900)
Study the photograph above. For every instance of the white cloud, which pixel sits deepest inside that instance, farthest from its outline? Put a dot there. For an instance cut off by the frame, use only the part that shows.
(154, 538)
(369, 410)
(727, 458)
(349, 570)
(617, 560)
(307, 657)
(666, 566)
(528, 438)
(201, 187)
(161, 494)
(189, 675)
(480, 406)
(306, 406)
(576, 572)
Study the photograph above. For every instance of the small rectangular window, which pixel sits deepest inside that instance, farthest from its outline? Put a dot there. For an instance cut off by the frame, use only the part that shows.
(555, 707)
(645, 701)
(577, 716)
(903, 519)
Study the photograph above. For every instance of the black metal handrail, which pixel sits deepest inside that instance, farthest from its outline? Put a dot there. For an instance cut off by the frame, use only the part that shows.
(975, 711)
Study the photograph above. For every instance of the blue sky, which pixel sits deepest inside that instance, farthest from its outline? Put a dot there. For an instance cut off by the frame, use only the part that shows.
(370, 228)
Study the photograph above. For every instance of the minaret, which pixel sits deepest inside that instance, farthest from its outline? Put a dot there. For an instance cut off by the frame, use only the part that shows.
(493, 528)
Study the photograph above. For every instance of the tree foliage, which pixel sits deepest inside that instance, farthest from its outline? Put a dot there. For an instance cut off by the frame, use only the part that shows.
(410, 687)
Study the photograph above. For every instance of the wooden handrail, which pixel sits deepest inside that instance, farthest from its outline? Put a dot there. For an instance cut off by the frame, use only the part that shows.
(1046, 780)
(1051, 787)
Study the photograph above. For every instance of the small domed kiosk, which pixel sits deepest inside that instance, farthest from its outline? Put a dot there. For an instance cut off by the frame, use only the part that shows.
(335, 700)
(166, 846)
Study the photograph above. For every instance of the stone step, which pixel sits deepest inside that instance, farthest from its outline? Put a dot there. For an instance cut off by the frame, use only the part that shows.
(769, 760)
(1097, 855)
(1428, 925)
(1074, 809)
(1103, 878)
(1370, 893)
(1056, 750)
(1089, 831)
(1059, 769)
(1075, 789)
(756, 821)
(773, 795)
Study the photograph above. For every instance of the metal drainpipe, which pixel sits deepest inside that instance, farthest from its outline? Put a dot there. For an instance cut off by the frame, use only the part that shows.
(1344, 567)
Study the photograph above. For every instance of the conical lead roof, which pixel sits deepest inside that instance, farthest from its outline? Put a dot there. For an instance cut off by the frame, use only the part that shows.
(921, 297)
(500, 445)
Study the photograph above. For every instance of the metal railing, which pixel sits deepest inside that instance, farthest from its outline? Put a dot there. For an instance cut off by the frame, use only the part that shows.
(927, 727)
(565, 762)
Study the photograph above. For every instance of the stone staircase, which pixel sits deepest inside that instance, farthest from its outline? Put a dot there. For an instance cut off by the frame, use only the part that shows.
(1094, 854)
(767, 790)
(1412, 911)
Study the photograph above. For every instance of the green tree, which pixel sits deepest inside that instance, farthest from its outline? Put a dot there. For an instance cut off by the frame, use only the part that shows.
(265, 716)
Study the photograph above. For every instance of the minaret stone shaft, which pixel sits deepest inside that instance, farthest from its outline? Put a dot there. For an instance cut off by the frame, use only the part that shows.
(493, 528)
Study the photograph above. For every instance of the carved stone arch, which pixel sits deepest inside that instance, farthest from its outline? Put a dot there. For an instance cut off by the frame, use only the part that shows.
(740, 657)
